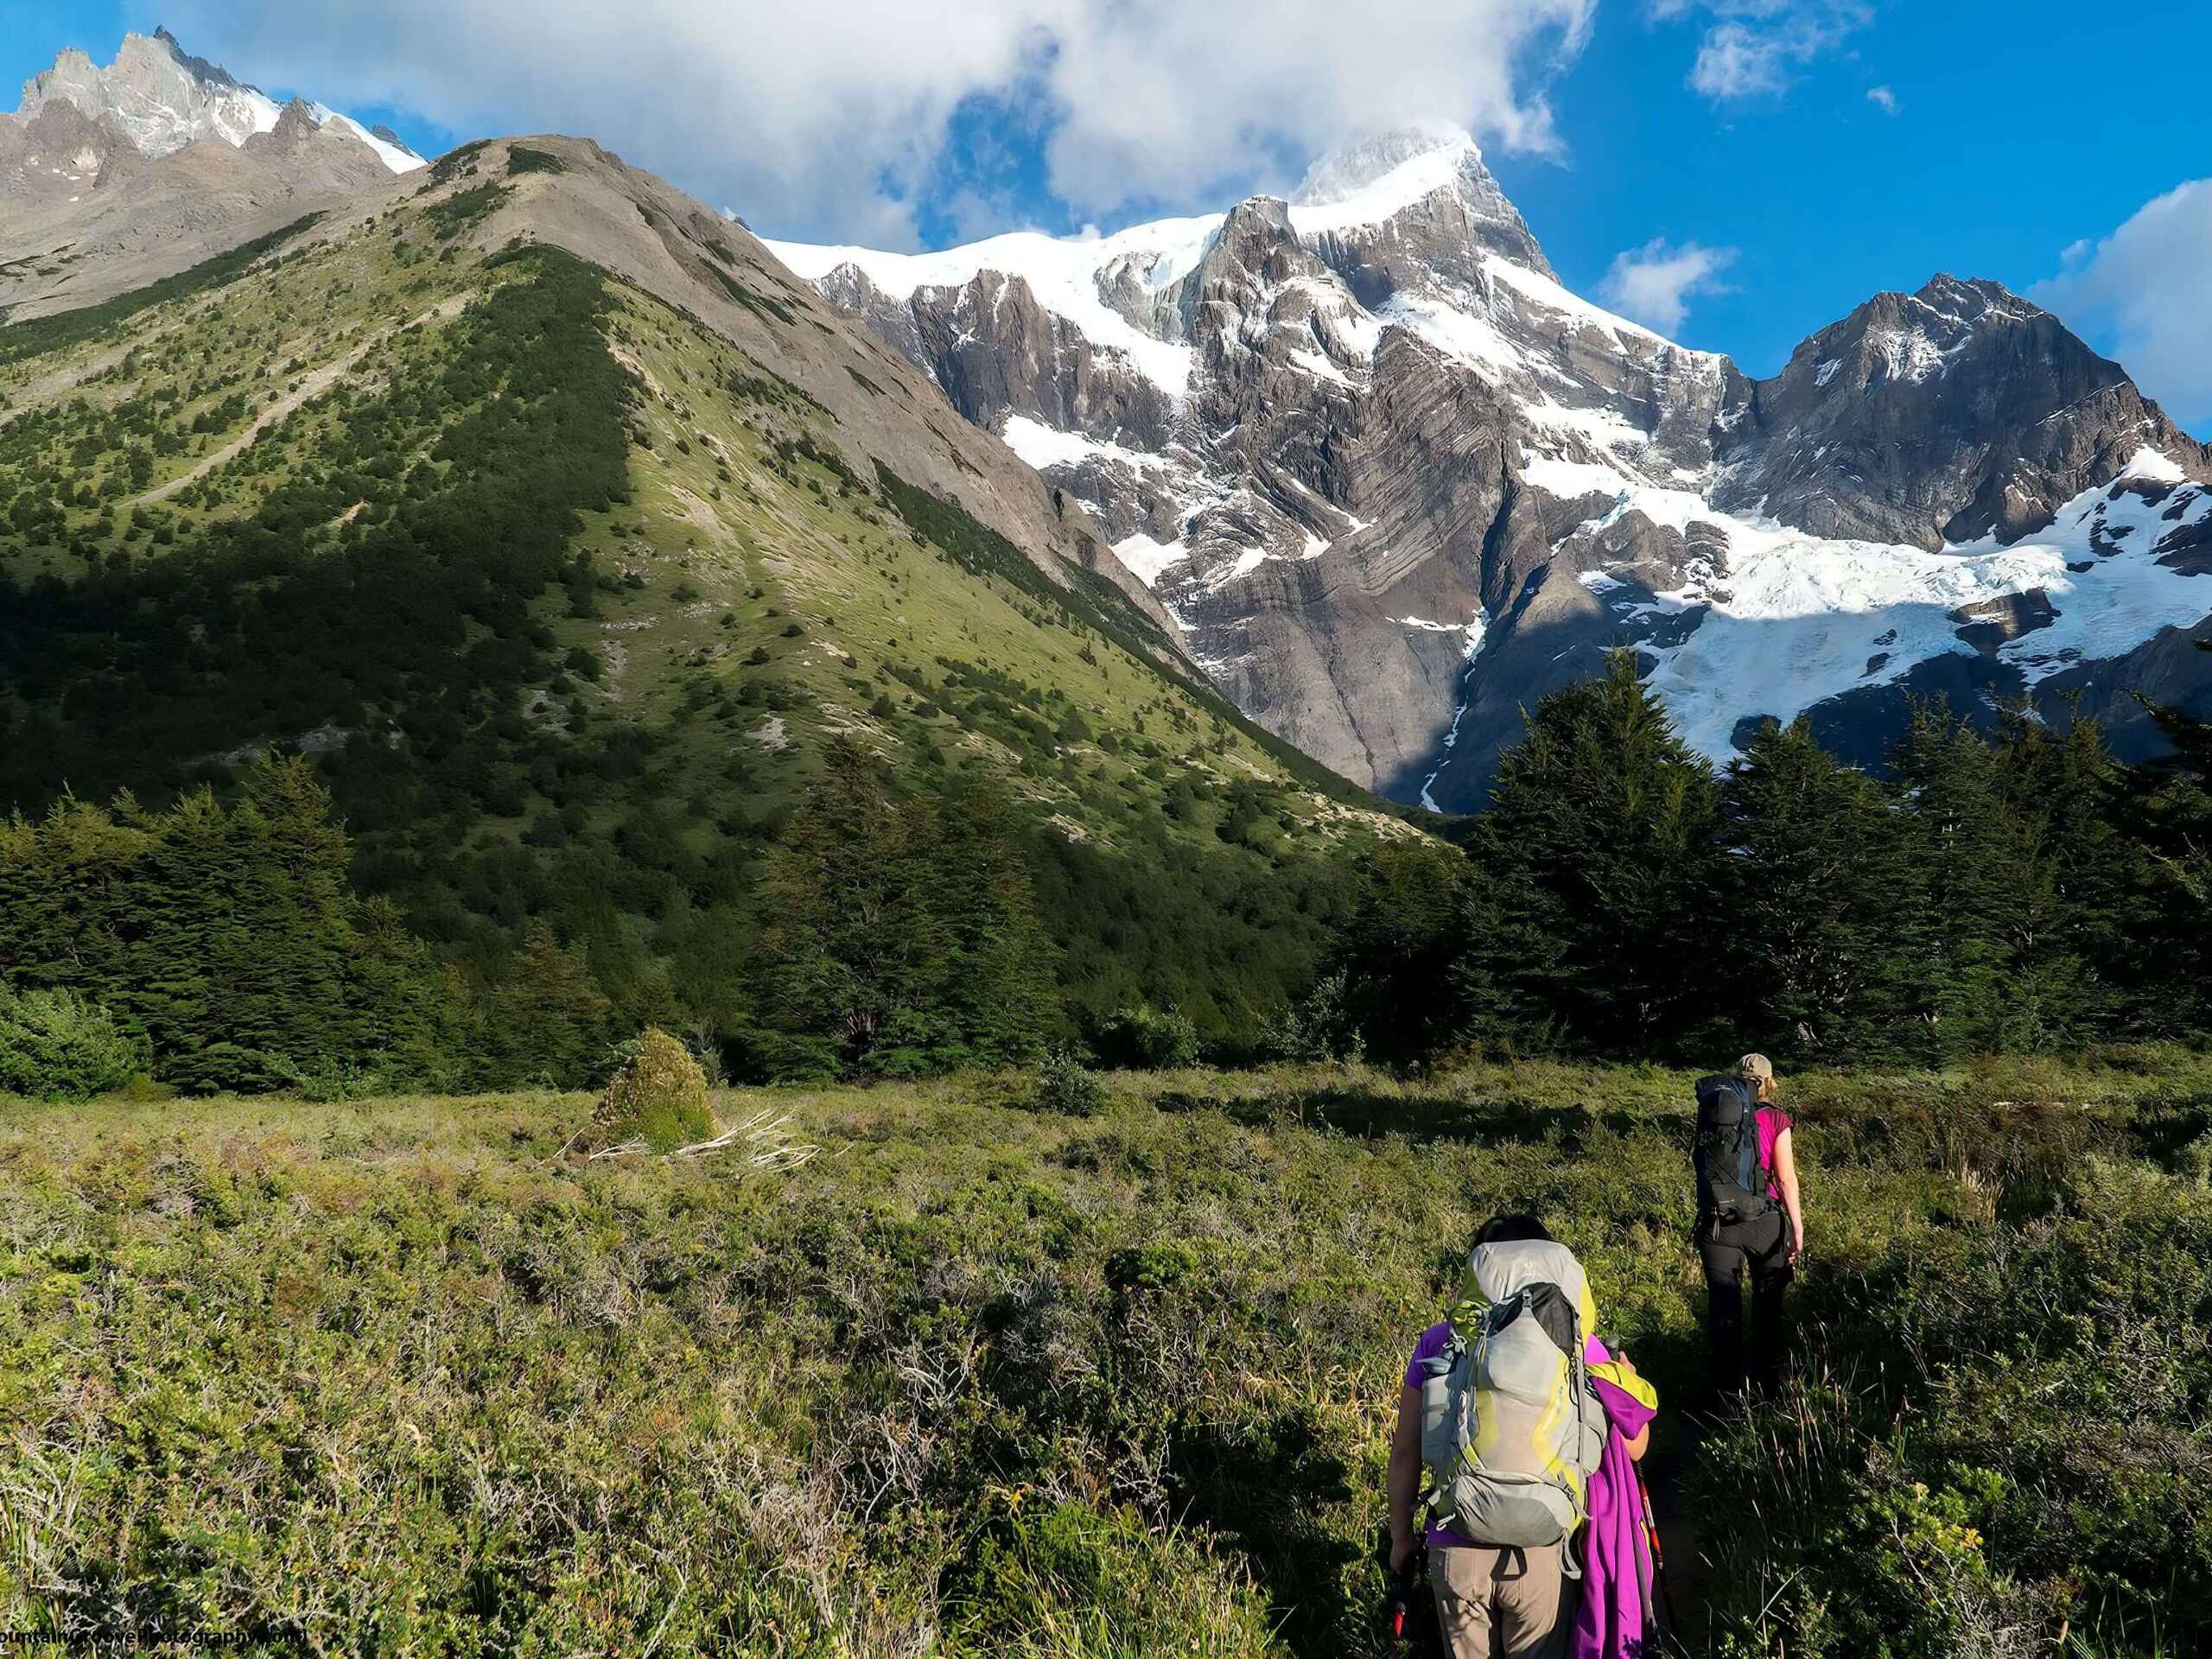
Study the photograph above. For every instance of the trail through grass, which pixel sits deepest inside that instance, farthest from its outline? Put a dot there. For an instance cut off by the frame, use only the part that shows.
(411, 1376)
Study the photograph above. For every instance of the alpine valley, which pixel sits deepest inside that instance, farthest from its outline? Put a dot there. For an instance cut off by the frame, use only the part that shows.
(710, 948)
(571, 530)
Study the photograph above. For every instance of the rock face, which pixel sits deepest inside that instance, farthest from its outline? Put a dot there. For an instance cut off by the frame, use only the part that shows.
(1393, 482)
(113, 177)
(1934, 410)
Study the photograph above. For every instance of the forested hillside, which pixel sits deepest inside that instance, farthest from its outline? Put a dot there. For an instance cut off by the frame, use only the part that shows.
(589, 620)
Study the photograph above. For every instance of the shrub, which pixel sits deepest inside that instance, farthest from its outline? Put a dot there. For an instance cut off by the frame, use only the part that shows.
(55, 1045)
(658, 1095)
(1320, 1026)
(1148, 1037)
(1066, 1085)
(334, 1079)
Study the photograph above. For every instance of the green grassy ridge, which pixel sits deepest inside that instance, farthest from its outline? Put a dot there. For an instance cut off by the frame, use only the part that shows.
(1095, 601)
(256, 625)
(992, 1380)
(593, 710)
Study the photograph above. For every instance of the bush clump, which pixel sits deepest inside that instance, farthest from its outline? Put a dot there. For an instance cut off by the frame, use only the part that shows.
(1149, 1038)
(55, 1045)
(1322, 1026)
(1066, 1085)
(657, 1095)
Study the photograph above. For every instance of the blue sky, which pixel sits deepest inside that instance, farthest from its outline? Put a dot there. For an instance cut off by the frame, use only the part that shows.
(1738, 172)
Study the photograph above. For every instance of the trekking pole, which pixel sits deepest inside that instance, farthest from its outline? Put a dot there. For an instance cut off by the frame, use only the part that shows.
(1658, 1554)
(1401, 1601)
(1404, 1588)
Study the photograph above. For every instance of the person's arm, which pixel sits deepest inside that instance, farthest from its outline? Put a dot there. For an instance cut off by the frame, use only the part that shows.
(1405, 1478)
(1785, 1177)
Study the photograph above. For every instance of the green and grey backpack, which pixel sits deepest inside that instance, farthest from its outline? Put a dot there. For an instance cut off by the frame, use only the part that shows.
(1511, 1430)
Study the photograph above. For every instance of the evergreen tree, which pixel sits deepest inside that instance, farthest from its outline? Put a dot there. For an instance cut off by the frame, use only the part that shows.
(2075, 880)
(1814, 901)
(897, 939)
(1395, 957)
(229, 936)
(548, 1021)
(1597, 843)
(2191, 737)
(997, 995)
(2167, 943)
(1962, 851)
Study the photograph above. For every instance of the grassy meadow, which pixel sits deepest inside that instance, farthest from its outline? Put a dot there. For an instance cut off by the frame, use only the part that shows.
(922, 1369)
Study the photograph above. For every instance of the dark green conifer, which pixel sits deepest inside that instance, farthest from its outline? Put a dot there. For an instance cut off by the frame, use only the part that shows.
(1598, 840)
(1814, 901)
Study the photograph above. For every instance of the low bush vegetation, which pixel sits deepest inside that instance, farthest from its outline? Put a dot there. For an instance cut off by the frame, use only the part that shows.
(55, 1045)
(983, 1378)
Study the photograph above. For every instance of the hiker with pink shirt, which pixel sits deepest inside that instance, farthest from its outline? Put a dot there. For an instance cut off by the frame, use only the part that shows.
(1750, 1220)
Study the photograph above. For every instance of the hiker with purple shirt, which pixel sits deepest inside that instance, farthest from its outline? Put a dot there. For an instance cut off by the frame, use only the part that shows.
(1518, 1598)
(1750, 1220)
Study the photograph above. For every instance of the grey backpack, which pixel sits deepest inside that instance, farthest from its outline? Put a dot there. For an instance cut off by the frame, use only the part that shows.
(1511, 1429)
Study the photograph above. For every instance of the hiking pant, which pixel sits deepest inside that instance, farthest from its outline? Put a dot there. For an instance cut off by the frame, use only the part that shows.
(1502, 1602)
(1727, 1251)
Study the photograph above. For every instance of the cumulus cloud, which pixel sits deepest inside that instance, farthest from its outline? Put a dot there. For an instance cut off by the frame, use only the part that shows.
(1655, 283)
(1754, 48)
(843, 121)
(1884, 100)
(2140, 294)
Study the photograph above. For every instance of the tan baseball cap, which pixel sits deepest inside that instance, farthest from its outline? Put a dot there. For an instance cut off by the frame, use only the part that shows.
(1757, 1067)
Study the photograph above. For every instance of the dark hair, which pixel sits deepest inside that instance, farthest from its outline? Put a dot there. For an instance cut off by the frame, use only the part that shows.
(1511, 1229)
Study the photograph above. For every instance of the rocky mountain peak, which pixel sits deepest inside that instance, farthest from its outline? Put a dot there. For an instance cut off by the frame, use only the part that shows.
(1392, 481)
(161, 98)
(1359, 167)
(1955, 412)
(1400, 209)
(208, 74)
(295, 128)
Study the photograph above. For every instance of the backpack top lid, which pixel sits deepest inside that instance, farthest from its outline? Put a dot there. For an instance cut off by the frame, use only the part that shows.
(1724, 1088)
(1498, 1272)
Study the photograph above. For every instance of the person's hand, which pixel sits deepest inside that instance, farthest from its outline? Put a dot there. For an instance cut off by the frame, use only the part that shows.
(1796, 1244)
(1402, 1551)
(1627, 1364)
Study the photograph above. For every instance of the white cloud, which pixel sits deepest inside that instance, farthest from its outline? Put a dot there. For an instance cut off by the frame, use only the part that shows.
(1736, 60)
(1884, 100)
(1754, 48)
(831, 120)
(1655, 283)
(2140, 293)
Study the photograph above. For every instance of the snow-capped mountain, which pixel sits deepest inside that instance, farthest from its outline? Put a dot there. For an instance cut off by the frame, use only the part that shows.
(161, 98)
(1394, 481)
(111, 178)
